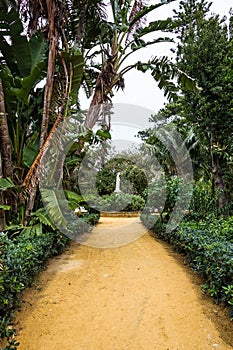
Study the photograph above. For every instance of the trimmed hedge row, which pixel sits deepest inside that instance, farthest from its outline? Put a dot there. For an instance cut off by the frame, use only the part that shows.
(208, 250)
(117, 202)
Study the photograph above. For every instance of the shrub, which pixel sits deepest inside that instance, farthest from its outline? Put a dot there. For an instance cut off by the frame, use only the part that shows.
(117, 202)
(165, 192)
(203, 202)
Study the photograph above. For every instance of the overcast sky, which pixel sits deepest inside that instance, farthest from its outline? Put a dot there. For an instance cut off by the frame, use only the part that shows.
(141, 88)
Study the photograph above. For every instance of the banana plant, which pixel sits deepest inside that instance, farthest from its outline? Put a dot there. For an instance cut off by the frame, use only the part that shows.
(23, 64)
(120, 39)
(64, 53)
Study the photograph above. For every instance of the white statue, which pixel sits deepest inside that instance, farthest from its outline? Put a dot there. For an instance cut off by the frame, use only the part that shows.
(118, 183)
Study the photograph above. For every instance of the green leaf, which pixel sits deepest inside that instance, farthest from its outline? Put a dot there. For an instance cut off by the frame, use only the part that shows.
(31, 150)
(167, 24)
(73, 161)
(104, 134)
(43, 217)
(37, 46)
(144, 12)
(17, 54)
(6, 183)
(35, 230)
(73, 196)
(55, 203)
(5, 207)
(77, 66)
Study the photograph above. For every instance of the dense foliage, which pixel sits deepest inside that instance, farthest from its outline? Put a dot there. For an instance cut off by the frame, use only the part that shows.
(205, 49)
(23, 256)
(133, 179)
(203, 119)
(118, 202)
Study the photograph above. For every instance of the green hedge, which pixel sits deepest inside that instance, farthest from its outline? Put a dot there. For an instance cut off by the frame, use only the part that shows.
(117, 202)
(208, 247)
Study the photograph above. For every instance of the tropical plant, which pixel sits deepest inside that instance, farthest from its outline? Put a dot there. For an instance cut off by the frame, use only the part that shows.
(205, 50)
(62, 42)
(122, 38)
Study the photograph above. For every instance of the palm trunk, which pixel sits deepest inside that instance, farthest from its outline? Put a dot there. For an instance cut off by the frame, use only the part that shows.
(217, 178)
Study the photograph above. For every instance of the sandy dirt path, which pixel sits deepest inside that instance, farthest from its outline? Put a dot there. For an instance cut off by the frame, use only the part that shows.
(136, 297)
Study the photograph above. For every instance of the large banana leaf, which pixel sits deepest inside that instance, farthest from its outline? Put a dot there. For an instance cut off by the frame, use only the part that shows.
(24, 61)
(55, 203)
(34, 230)
(74, 62)
(74, 199)
(6, 183)
(43, 218)
(13, 49)
(37, 50)
(145, 10)
(167, 24)
(166, 73)
(31, 150)
(77, 66)
(61, 214)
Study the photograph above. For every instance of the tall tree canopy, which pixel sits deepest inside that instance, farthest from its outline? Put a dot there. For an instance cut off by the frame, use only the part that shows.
(205, 52)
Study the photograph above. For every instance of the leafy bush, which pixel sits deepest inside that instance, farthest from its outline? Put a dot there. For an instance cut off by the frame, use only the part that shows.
(163, 194)
(133, 178)
(137, 203)
(203, 202)
(21, 259)
(117, 202)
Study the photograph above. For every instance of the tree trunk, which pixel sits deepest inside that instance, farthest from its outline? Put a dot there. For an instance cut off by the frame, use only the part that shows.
(6, 166)
(52, 36)
(2, 212)
(217, 178)
(5, 142)
(30, 184)
(31, 177)
(105, 82)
